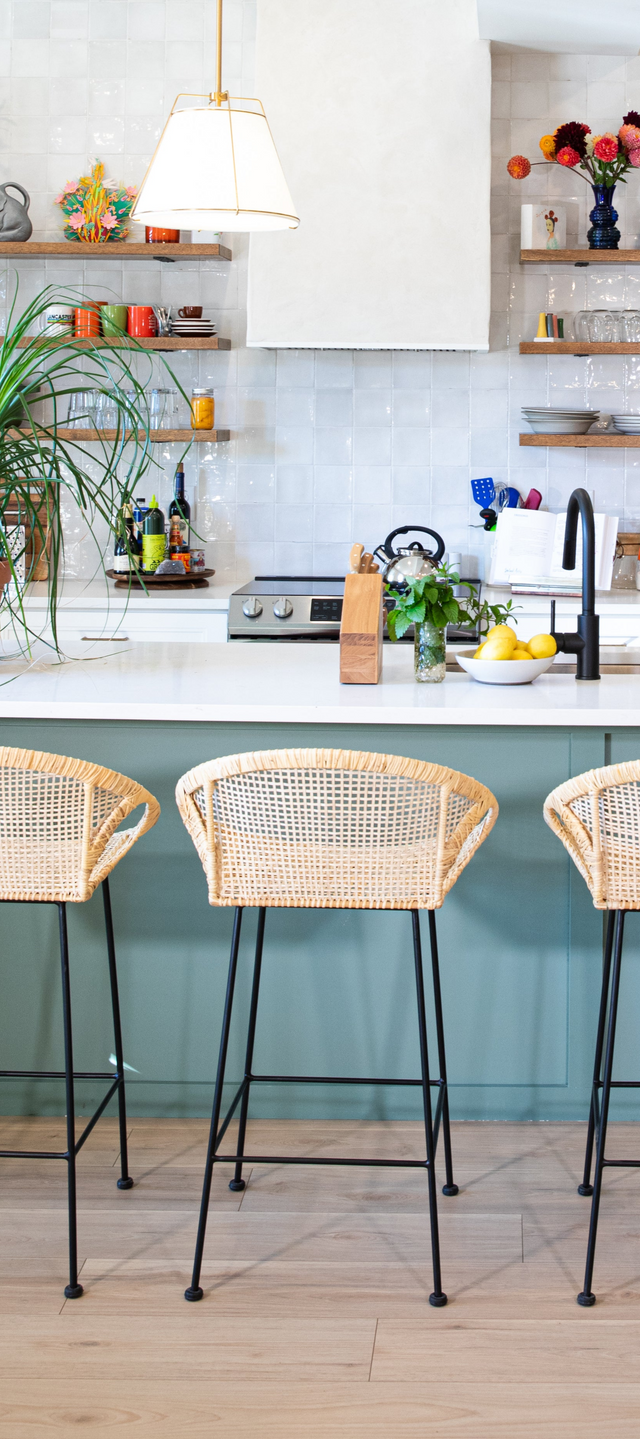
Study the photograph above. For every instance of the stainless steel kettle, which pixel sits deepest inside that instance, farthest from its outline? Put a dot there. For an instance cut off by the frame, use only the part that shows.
(411, 561)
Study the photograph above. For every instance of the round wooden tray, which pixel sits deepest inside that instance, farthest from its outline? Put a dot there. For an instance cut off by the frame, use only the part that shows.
(198, 580)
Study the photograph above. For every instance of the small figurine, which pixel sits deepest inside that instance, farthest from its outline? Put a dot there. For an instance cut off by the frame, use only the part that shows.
(14, 219)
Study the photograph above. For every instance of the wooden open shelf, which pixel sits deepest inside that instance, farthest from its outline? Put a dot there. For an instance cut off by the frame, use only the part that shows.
(580, 257)
(582, 442)
(157, 437)
(112, 249)
(163, 342)
(580, 347)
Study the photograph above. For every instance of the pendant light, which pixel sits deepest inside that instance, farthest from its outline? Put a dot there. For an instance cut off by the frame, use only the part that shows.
(216, 167)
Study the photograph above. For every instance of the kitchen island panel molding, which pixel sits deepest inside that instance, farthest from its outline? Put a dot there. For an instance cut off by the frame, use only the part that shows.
(521, 945)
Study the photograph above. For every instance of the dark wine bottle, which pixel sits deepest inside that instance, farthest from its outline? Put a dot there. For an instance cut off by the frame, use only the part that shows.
(154, 540)
(180, 510)
(127, 549)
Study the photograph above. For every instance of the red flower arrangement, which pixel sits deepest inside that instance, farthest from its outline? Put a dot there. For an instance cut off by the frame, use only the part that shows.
(604, 158)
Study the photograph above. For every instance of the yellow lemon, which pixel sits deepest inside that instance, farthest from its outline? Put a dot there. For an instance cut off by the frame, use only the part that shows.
(542, 646)
(505, 633)
(499, 647)
(520, 654)
(478, 652)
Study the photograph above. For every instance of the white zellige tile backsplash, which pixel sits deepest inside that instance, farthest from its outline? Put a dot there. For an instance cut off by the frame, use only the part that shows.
(331, 446)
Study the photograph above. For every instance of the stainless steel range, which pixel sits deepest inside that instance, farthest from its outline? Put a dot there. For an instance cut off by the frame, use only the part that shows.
(299, 607)
(278, 607)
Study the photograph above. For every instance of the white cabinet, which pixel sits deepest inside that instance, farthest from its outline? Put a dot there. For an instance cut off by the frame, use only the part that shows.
(381, 116)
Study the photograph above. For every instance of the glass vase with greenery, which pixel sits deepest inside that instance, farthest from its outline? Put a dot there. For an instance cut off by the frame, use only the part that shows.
(430, 603)
(43, 469)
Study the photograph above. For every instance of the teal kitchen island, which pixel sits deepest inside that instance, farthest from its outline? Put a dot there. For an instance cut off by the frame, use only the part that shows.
(520, 942)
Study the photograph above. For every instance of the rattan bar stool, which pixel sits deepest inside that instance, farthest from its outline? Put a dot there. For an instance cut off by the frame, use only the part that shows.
(331, 829)
(597, 817)
(59, 839)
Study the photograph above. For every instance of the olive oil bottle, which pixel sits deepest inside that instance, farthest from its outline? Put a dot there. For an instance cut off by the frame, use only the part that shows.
(154, 540)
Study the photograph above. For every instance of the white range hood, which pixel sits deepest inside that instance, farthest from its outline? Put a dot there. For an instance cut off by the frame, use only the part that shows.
(585, 27)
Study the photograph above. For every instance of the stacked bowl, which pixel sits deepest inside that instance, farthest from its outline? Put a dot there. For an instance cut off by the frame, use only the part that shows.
(627, 424)
(547, 421)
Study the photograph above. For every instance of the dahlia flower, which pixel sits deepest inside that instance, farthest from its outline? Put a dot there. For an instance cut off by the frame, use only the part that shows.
(634, 158)
(568, 157)
(606, 148)
(548, 147)
(519, 167)
(572, 136)
(633, 118)
(629, 136)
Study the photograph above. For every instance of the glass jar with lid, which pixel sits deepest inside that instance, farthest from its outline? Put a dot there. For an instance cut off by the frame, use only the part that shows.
(202, 408)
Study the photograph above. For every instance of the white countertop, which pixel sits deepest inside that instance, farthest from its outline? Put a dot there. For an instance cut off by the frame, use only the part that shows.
(266, 683)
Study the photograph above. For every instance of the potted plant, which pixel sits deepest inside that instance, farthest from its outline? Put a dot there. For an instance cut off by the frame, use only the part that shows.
(39, 469)
(430, 604)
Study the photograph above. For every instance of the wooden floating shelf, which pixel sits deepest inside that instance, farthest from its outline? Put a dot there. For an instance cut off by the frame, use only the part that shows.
(603, 441)
(157, 437)
(112, 249)
(580, 347)
(163, 342)
(580, 257)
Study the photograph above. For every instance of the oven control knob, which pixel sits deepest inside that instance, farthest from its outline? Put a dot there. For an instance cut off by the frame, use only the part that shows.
(252, 608)
(283, 608)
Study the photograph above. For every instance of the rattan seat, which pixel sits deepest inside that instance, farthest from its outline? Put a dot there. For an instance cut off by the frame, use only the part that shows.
(59, 840)
(331, 829)
(597, 818)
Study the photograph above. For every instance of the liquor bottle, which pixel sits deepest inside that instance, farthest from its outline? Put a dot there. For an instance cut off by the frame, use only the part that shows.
(154, 540)
(180, 509)
(127, 549)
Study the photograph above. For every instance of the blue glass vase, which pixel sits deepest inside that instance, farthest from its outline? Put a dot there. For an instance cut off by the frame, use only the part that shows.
(603, 234)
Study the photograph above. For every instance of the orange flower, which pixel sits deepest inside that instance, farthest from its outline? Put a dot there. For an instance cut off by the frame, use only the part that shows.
(548, 147)
(519, 167)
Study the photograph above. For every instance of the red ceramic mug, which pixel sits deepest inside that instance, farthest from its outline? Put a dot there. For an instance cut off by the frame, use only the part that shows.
(141, 321)
(87, 323)
(158, 236)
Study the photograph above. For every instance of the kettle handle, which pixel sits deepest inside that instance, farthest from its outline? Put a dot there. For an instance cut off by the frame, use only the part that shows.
(409, 530)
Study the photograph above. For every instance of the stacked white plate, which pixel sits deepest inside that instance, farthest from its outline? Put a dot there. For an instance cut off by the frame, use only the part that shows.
(627, 424)
(195, 328)
(547, 421)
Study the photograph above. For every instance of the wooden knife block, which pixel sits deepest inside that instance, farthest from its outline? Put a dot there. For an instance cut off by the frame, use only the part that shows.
(361, 630)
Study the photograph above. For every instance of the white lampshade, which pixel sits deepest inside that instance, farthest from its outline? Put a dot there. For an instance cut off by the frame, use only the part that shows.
(216, 168)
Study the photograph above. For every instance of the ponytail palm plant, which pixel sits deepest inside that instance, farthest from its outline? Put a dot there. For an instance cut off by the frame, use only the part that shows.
(40, 469)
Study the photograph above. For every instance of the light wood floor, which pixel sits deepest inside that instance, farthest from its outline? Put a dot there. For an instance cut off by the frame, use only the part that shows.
(316, 1322)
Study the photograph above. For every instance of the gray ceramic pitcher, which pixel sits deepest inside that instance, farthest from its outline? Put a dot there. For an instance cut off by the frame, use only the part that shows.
(14, 218)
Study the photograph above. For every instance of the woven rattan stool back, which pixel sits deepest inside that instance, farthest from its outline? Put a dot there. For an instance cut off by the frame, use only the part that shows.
(597, 817)
(58, 823)
(334, 829)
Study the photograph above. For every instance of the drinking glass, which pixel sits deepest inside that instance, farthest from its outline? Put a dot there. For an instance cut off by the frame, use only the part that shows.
(631, 326)
(581, 325)
(600, 326)
(81, 414)
(618, 324)
(106, 411)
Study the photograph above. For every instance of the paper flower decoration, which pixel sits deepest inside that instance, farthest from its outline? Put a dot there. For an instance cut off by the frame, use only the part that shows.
(96, 210)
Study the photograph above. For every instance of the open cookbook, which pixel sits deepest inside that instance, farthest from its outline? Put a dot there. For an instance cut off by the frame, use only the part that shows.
(527, 553)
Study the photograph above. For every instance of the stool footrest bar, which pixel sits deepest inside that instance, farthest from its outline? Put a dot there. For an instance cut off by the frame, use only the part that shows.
(621, 1163)
(51, 1074)
(332, 1079)
(297, 1159)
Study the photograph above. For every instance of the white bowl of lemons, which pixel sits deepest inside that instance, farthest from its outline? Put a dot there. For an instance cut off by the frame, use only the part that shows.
(503, 659)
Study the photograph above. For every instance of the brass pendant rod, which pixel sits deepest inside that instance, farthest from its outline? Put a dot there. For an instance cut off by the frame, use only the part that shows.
(220, 94)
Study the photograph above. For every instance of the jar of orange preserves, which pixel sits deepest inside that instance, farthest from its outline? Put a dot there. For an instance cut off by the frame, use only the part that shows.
(202, 409)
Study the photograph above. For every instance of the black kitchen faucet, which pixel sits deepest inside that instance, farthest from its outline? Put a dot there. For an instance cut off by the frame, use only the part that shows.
(584, 643)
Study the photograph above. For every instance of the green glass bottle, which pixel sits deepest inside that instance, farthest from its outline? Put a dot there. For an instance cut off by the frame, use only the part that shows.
(153, 538)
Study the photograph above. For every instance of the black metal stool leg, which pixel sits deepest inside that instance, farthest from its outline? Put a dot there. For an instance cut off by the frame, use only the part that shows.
(194, 1292)
(73, 1289)
(238, 1182)
(438, 1298)
(586, 1188)
(125, 1181)
(449, 1188)
(587, 1297)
